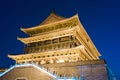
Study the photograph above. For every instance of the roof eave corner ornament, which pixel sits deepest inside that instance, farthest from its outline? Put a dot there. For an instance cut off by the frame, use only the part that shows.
(80, 24)
(24, 30)
(22, 40)
(9, 55)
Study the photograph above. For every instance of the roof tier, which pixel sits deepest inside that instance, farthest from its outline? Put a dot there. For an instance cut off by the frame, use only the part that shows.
(48, 35)
(58, 24)
(77, 52)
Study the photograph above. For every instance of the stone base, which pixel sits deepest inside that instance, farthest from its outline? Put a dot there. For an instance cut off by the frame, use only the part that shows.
(87, 70)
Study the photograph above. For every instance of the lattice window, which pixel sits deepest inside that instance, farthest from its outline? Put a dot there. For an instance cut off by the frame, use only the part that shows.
(47, 42)
(64, 39)
(21, 78)
(40, 43)
(55, 40)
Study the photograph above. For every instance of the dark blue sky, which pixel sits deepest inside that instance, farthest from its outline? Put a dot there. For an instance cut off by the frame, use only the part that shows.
(100, 18)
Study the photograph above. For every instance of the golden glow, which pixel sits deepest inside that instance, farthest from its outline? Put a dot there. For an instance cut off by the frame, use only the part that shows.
(60, 61)
(80, 48)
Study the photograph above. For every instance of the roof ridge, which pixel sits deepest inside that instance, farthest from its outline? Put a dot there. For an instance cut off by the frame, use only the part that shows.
(53, 17)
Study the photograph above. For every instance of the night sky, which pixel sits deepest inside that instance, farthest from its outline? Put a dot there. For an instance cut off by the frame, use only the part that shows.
(100, 18)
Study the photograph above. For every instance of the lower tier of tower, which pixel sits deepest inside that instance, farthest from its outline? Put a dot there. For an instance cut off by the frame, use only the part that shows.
(56, 56)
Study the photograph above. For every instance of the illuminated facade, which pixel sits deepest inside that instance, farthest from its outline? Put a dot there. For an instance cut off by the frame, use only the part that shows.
(62, 46)
(56, 40)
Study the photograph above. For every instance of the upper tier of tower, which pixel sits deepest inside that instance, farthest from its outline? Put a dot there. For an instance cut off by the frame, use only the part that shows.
(52, 23)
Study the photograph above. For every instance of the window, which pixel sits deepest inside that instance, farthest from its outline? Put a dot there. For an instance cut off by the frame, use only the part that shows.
(21, 78)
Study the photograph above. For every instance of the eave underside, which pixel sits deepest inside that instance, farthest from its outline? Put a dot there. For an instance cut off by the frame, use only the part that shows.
(75, 54)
